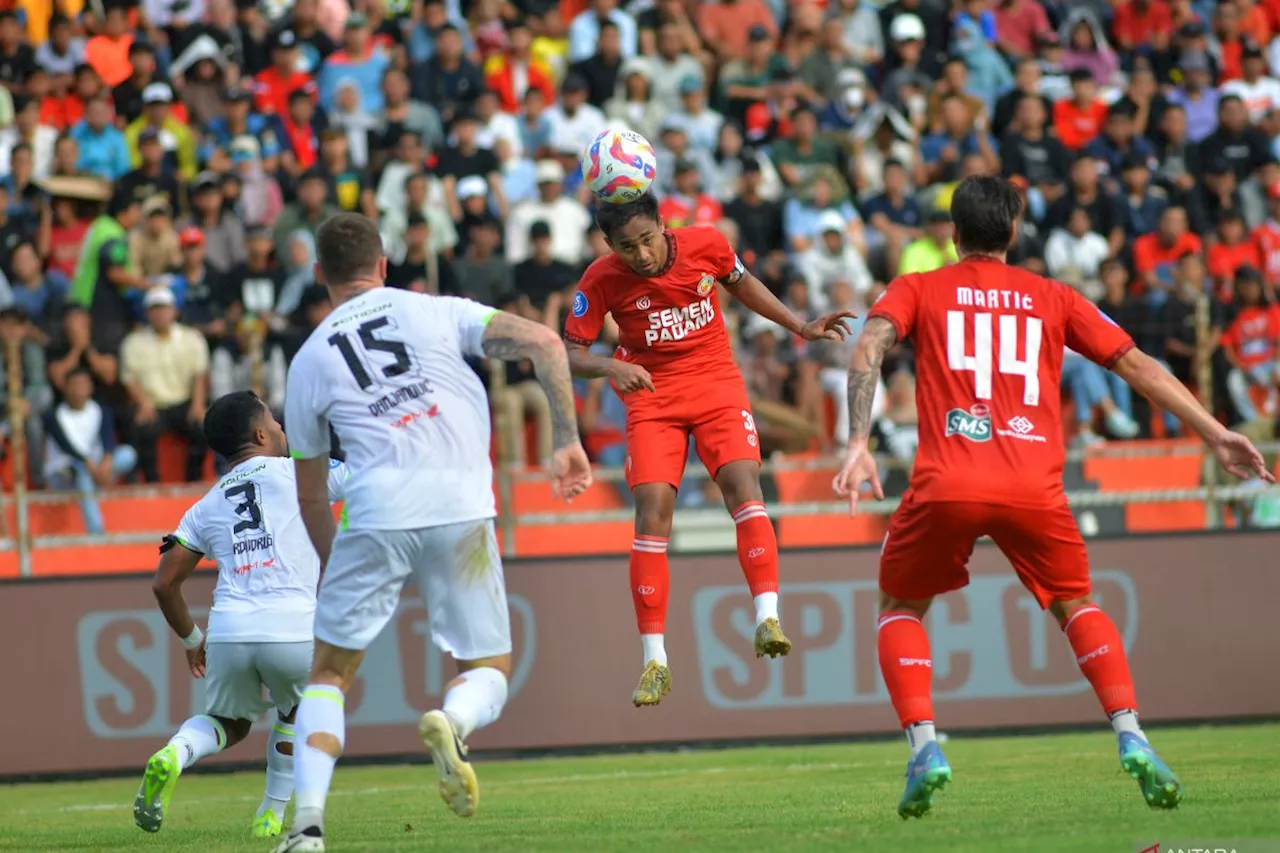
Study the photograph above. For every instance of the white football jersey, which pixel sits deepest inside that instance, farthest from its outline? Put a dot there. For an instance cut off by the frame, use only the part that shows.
(268, 569)
(387, 371)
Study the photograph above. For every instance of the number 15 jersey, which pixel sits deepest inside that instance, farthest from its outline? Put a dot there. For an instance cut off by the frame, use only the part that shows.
(989, 342)
(388, 371)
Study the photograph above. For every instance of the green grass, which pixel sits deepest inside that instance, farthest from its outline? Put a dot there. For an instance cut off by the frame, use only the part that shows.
(1043, 793)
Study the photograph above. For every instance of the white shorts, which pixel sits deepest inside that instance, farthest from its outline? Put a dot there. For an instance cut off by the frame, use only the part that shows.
(237, 672)
(458, 572)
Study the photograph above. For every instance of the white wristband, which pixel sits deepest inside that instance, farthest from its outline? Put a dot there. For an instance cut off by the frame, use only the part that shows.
(194, 639)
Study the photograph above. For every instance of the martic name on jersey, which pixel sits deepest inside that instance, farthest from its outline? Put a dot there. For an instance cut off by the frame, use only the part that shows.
(1009, 299)
(674, 324)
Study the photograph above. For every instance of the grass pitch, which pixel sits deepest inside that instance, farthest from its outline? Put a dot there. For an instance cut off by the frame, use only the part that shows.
(1040, 793)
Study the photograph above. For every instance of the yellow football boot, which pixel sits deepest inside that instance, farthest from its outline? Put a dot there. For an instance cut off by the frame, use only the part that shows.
(770, 640)
(655, 682)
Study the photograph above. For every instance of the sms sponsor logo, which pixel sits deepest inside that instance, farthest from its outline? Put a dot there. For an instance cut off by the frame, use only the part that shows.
(135, 683)
(989, 641)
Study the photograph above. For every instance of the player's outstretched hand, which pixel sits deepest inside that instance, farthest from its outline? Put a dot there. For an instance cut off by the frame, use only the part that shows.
(829, 327)
(1237, 454)
(195, 660)
(628, 378)
(570, 472)
(859, 467)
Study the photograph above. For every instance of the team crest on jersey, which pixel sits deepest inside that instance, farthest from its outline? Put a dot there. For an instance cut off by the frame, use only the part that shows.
(974, 424)
(580, 303)
(643, 303)
(706, 284)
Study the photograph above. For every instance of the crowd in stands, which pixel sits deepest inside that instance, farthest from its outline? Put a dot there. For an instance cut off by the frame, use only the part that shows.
(164, 166)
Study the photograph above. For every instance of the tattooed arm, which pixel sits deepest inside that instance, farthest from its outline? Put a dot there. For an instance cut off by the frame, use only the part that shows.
(512, 338)
(877, 338)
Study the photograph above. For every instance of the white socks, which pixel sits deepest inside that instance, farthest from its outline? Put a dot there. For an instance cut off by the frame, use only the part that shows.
(198, 737)
(1126, 721)
(322, 711)
(475, 702)
(279, 770)
(919, 735)
(655, 648)
(766, 606)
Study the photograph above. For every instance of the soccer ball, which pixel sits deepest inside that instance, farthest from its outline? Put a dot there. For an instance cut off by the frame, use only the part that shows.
(619, 165)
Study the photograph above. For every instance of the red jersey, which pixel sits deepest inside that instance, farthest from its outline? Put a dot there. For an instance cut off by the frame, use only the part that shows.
(271, 90)
(1253, 334)
(1267, 238)
(989, 342)
(669, 324)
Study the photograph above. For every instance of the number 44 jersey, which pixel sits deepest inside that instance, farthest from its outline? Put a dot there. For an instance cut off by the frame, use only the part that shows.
(387, 370)
(249, 523)
(989, 341)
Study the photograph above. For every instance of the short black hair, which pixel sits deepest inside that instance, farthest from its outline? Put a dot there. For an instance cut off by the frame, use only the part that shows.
(119, 202)
(347, 245)
(231, 420)
(985, 209)
(610, 216)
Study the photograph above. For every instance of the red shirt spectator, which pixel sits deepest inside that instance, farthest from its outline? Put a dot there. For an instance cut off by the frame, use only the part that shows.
(1252, 336)
(1224, 260)
(1077, 126)
(500, 76)
(273, 86)
(1018, 22)
(726, 25)
(61, 113)
(680, 210)
(1142, 22)
(1151, 254)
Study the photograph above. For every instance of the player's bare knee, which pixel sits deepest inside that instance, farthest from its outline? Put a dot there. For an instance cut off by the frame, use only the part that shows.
(739, 483)
(502, 663)
(1063, 610)
(655, 505)
(326, 743)
(335, 666)
(917, 606)
(236, 730)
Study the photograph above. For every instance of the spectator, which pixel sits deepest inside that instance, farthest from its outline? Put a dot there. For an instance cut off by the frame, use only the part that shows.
(511, 73)
(574, 122)
(103, 149)
(830, 259)
(275, 85)
(1087, 384)
(586, 30)
(448, 80)
(932, 251)
(81, 450)
(39, 296)
(152, 178)
(1180, 342)
(106, 279)
(466, 159)
(1106, 211)
(127, 96)
(223, 231)
(1074, 254)
(603, 67)
(482, 273)
(36, 397)
(305, 214)
(1250, 344)
(153, 243)
(198, 288)
(566, 216)
(1143, 203)
(1197, 96)
(689, 205)
(251, 291)
(1079, 118)
(420, 269)
(1029, 151)
(1155, 255)
(157, 114)
(1242, 146)
(164, 365)
(403, 115)
(27, 129)
(261, 199)
(63, 52)
(1231, 251)
(360, 61)
(1259, 92)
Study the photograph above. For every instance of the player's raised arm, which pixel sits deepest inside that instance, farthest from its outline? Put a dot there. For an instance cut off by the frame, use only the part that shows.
(751, 292)
(1234, 451)
(513, 338)
(177, 563)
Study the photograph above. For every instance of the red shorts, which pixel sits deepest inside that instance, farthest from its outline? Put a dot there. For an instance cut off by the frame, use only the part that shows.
(722, 427)
(927, 549)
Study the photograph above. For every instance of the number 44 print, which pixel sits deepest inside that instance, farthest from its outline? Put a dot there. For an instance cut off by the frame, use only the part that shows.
(1009, 363)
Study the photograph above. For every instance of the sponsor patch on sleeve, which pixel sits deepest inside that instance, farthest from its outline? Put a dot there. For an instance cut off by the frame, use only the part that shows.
(580, 304)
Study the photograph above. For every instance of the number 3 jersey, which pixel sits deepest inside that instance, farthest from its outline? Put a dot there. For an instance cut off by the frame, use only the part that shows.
(388, 371)
(989, 342)
(250, 524)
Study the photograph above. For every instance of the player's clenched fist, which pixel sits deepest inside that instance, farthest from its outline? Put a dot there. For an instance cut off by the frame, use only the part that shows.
(570, 471)
(628, 378)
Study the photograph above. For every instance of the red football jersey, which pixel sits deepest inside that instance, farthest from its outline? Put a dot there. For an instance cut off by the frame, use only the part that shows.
(669, 324)
(989, 344)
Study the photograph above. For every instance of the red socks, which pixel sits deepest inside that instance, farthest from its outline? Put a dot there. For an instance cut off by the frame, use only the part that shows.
(757, 548)
(1100, 654)
(650, 583)
(906, 665)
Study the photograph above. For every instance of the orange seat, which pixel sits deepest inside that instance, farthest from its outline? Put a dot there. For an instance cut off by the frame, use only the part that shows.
(171, 459)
